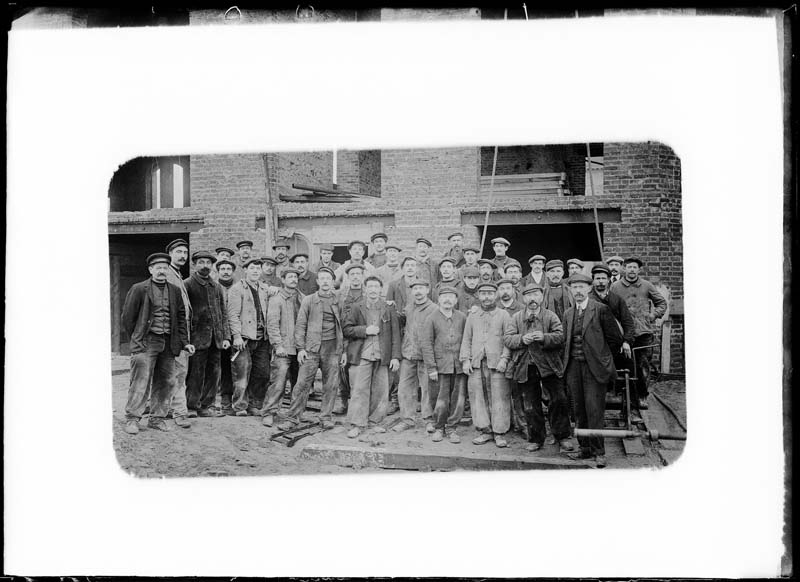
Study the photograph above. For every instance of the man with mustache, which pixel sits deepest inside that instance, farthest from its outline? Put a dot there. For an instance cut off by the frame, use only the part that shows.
(178, 251)
(378, 257)
(488, 271)
(507, 297)
(455, 251)
(225, 270)
(426, 268)
(536, 276)
(356, 248)
(615, 264)
(280, 251)
(306, 280)
(557, 295)
(601, 293)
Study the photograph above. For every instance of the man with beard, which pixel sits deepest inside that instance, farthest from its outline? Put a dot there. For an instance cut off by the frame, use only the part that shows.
(320, 345)
(536, 276)
(354, 295)
(536, 338)
(178, 251)
(356, 248)
(153, 316)
(574, 266)
(373, 350)
(440, 338)
(592, 337)
(248, 300)
(210, 334)
(646, 305)
(470, 260)
(500, 246)
(455, 251)
(426, 268)
(507, 297)
(468, 290)
(615, 264)
(378, 257)
(391, 269)
(557, 295)
(484, 358)
(399, 290)
(412, 368)
(306, 280)
(268, 275)
(280, 250)
(601, 292)
(225, 269)
(488, 271)
(326, 259)
(447, 278)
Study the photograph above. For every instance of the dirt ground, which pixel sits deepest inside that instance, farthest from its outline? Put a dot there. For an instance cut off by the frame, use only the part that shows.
(228, 446)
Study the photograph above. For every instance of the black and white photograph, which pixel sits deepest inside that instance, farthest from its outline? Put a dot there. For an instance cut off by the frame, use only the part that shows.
(413, 291)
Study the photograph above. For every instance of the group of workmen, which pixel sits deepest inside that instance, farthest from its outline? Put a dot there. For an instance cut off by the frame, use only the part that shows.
(436, 341)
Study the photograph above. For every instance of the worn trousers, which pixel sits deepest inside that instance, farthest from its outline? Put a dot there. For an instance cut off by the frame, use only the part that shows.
(226, 379)
(590, 403)
(155, 365)
(449, 394)
(369, 393)
(204, 377)
(250, 371)
(518, 421)
(178, 403)
(413, 376)
(279, 370)
(557, 409)
(643, 364)
(327, 360)
(490, 399)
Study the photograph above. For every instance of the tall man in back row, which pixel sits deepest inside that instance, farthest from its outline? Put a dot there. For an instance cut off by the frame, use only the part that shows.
(378, 257)
(456, 252)
(500, 246)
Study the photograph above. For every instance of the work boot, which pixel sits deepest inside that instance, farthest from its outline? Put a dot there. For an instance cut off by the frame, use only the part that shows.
(401, 426)
(268, 420)
(227, 411)
(437, 436)
(379, 429)
(532, 447)
(393, 407)
(482, 438)
(566, 445)
(254, 411)
(182, 422)
(353, 432)
(207, 412)
(500, 441)
(157, 424)
(241, 413)
(454, 438)
(192, 414)
(429, 428)
(341, 408)
(327, 424)
(601, 461)
(132, 426)
(286, 425)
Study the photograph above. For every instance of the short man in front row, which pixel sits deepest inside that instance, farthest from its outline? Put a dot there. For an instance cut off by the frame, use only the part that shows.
(484, 358)
(440, 339)
(319, 342)
(378, 257)
(281, 317)
(210, 336)
(373, 350)
(154, 318)
(536, 339)
(592, 337)
(247, 315)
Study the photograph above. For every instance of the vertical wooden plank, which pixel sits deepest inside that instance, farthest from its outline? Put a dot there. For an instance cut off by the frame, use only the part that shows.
(116, 307)
(666, 333)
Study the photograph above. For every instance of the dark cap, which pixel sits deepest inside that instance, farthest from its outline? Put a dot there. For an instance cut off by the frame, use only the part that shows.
(352, 266)
(294, 256)
(254, 261)
(615, 259)
(483, 286)
(395, 247)
(636, 260)
(575, 262)
(244, 243)
(178, 242)
(501, 281)
(447, 289)
(470, 272)
(531, 287)
(601, 268)
(450, 260)
(580, 278)
(326, 270)
(473, 249)
(537, 258)
(461, 234)
(356, 242)
(289, 270)
(268, 260)
(513, 263)
(203, 255)
(406, 259)
(158, 258)
(424, 240)
(218, 250)
(552, 263)
(326, 247)
(282, 242)
(419, 281)
(501, 240)
(378, 235)
(225, 262)
(487, 262)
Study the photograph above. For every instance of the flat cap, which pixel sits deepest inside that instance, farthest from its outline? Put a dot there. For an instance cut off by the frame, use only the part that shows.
(326, 247)
(253, 261)
(552, 263)
(601, 268)
(513, 263)
(424, 240)
(615, 259)
(447, 289)
(356, 242)
(289, 271)
(575, 262)
(487, 262)
(294, 256)
(461, 234)
(483, 286)
(352, 266)
(406, 259)
(378, 235)
(244, 243)
(470, 272)
(178, 242)
(419, 281)
(281, 242)
(326, 270)
(502, 281)
(268, 260)
(450, 260)
(203, 255)
(158, 258)
(219, 250)
(395, 247)
(472, 249)
(225, 262)
(580, 278)
(537, 258)
(531, 287)
(501, 240)
(636, 260)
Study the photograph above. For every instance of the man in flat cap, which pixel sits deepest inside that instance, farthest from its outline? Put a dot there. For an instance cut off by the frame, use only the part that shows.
(456, 252)
(268, 276)
(326, 258)
(280, 250)
(353, 295)
(281, 318)
(399, 291)
(178, 251)
(248, 302)
(245, 251)
(412, 369)
(320, 345)
(557, 295)
(592, 337)
(447, 277)
(615, 264)
(646, 305)
(153, 316)
(378, 257)
(507, 297)
(484, 359)
(391, 269)
(373, 349)
(225, 269)
(536, 340)
(574, 266)
(488, 271)
(468, 290)
(470, 260)
(306, 280)
(211, 335)
(426, 268)
(537, 275)
(356, 248)
(500, 246)
(601, 293)
(440, 342)
(514, 274)
(223, 253)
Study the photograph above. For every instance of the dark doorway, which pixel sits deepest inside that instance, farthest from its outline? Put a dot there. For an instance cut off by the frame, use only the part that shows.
(554, 241)
(340, 254)
(127, 256)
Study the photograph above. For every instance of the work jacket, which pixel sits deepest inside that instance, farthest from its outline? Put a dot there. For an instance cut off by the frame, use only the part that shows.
(388, 274)
(467, 298)
(174, 277)
(546, 354)
(355, 330)
(308, 328)
(528, 280)
(644, 302)
(621, 313)
(307, 283)
(242, 315)
(415, 316)
(601, 339)
(456, 255)
(549, 302)
(516, 306)
(427, 269)
(137, 317)
(209, 316)
(399, 292)
(377, 260)
(483, 338)
(281, 320)
(440, 341)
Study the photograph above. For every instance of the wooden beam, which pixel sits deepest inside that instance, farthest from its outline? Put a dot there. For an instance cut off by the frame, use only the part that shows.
(321, 190)
(154, 227)
(542, 217)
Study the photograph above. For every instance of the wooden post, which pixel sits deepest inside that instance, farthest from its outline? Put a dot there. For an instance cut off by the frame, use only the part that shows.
(116, 308)
(666, 329)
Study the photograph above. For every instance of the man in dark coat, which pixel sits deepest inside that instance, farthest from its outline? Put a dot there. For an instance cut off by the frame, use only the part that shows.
(210, 335)
(557, 295)
(154, 316)
(306, 279)
(592, 339)
(601, 275)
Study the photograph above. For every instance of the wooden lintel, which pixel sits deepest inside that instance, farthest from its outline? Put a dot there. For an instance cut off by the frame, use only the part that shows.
(153, 227)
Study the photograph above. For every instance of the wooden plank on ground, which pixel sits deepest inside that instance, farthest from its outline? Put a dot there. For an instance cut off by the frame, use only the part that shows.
(633, 447)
